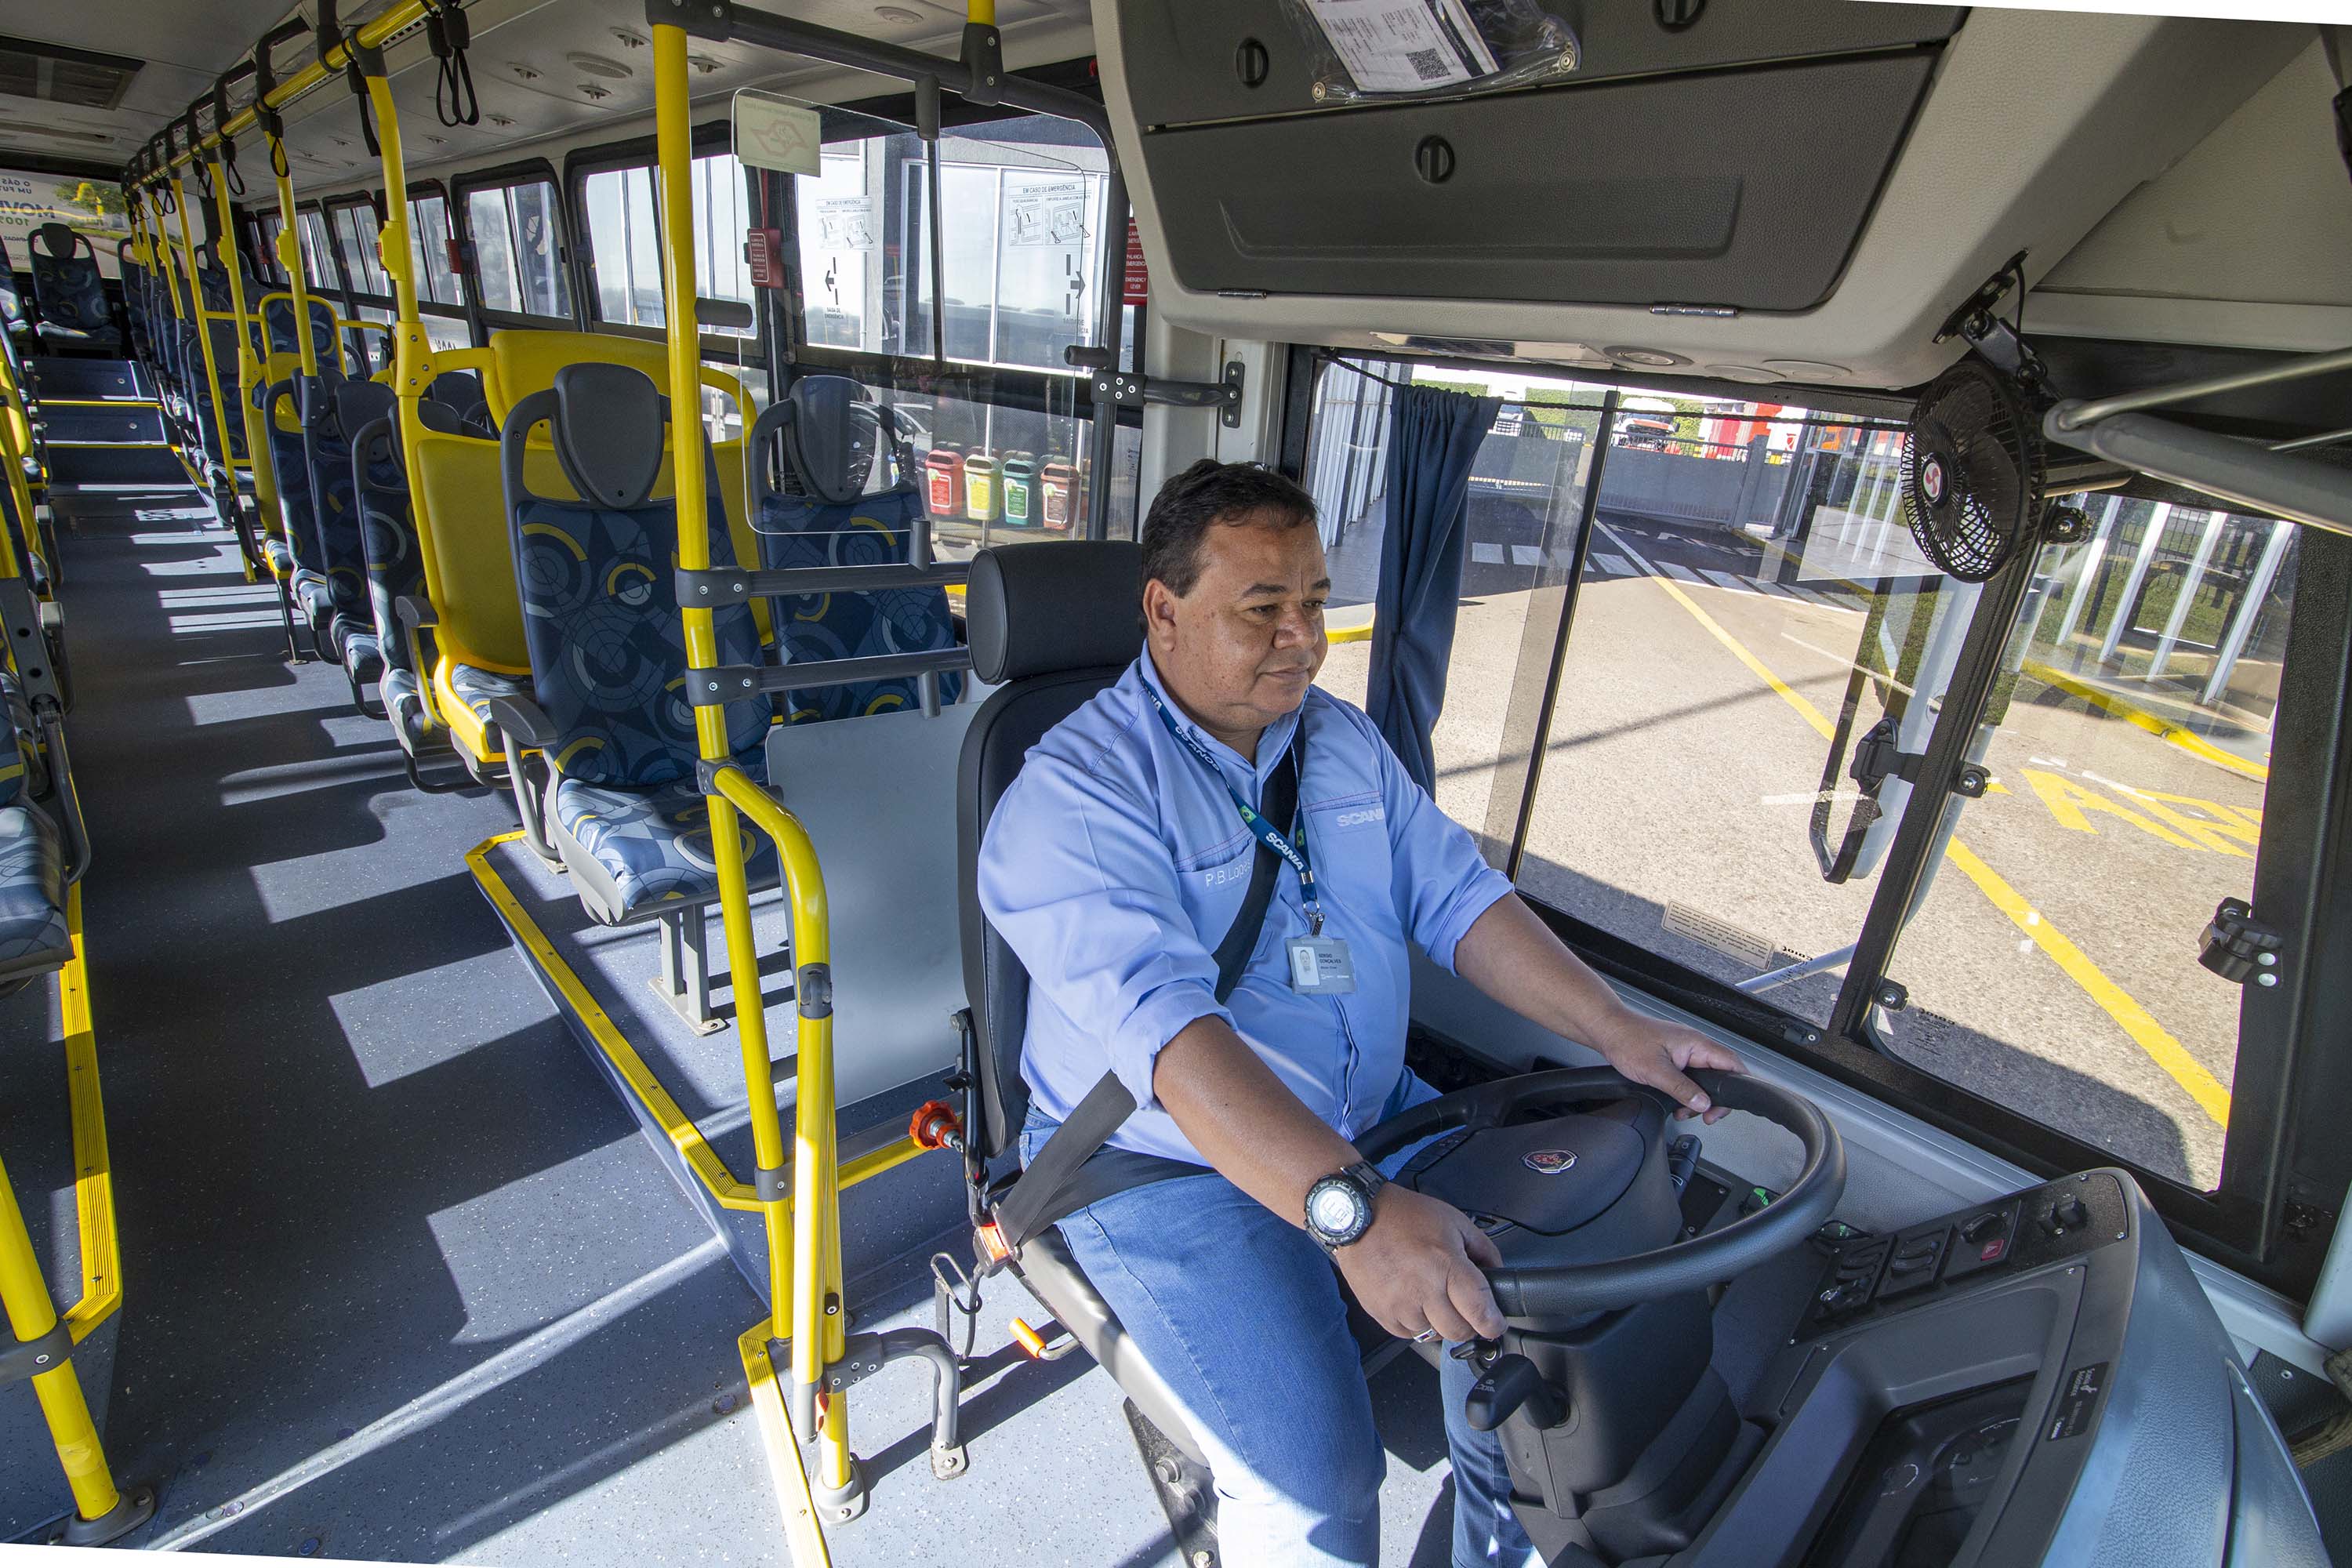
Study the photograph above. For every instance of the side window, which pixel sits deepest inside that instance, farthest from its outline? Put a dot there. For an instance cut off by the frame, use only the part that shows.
(1003, 435)
(624, 246)
(355, 229)
(518, 251)
(318, 251)
(428, 251)
(723, 217)
(266, 229)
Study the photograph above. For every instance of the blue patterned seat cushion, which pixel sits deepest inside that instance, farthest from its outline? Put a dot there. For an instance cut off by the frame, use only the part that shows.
(278, 320)
(607, 647)
(654, 844)
(871, 530)
(32, 886)
(293, 469)
(336, 508)
(404, 704)
(477, 687)
(396, 568)
(69, 292)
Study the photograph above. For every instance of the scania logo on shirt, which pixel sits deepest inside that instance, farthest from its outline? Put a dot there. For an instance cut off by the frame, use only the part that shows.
(1549, 1162)
(1357, 818)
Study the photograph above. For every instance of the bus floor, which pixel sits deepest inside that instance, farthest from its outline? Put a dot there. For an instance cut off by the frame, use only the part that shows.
(401, 1281)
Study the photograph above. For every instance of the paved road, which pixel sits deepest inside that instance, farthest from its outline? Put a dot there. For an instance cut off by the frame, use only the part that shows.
(2052, 966)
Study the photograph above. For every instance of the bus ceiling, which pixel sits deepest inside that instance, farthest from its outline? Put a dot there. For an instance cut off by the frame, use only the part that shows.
(1798, 199)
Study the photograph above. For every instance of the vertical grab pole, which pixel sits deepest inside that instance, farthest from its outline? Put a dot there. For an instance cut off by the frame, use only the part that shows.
(289, 255)
(248, 360)
(789, 1255)
(32, 1316)
(225, 487)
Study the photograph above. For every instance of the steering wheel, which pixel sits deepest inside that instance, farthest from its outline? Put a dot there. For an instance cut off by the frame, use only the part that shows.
(1564, 1291)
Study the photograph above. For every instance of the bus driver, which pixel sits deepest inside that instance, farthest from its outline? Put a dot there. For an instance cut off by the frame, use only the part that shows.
(1112, 865)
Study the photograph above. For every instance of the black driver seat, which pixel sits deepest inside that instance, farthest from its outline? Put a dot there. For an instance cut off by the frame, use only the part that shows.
(1053, 623)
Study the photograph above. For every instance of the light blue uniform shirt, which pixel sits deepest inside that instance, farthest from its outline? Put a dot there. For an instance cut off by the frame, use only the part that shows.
(1116, 863)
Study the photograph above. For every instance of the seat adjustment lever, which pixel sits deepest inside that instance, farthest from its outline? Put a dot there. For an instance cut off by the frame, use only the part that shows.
(1512, 1382)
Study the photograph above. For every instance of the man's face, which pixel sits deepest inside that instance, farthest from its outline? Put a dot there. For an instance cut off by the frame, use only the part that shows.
(1241, 649)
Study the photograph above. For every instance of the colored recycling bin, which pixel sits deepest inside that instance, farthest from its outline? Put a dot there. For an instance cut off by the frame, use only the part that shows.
(1019, 481)
(980, 490)
(943, 480)
(1060, 483)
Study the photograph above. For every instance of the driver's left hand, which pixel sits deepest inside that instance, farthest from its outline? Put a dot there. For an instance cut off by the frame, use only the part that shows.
(1653, 1052)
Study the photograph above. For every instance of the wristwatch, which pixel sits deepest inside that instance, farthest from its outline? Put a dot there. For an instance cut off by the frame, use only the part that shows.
(1339, 1206)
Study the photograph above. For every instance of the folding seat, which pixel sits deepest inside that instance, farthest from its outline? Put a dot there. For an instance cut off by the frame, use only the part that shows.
(342, 621)
(833, 482)
(470, 607)
(134, 298)
(71, 293)
(396, 566)
(608, 708)
(43, 847)
(15, 320)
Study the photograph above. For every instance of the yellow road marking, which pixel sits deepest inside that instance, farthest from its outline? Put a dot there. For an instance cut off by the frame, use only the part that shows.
(2151, 1037)
(2116, 1003)
(2171, 734)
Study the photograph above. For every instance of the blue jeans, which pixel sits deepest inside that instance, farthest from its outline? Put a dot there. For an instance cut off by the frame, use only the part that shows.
(1240, 1313)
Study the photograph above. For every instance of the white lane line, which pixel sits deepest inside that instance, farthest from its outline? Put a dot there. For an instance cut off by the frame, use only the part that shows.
(1525, 555)
(1680, 574)
(1841, 658)
(1486, 554)
(433, 1404)
(1615, 565)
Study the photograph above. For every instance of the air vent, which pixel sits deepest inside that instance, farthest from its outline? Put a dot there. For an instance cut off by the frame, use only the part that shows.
(10, 127)
(58, 75)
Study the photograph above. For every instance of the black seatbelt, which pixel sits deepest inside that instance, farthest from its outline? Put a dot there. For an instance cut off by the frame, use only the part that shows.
(1074, 1168)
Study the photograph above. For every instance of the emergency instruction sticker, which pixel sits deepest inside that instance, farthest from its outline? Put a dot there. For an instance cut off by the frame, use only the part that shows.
(1404, 46)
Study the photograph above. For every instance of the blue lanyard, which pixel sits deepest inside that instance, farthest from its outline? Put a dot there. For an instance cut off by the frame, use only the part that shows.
(1264, 831)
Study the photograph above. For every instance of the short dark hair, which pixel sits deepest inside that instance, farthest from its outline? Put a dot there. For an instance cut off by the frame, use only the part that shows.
(1211, 493)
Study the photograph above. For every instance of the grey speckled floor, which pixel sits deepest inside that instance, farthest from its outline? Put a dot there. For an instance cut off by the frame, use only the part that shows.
(403, 1281)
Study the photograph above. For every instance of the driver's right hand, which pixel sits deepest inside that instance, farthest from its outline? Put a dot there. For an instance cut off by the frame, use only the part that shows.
(1417, 1268)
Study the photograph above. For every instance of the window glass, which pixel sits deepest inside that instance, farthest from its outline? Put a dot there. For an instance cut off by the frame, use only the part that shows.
(857, 223)
(1526, 499)
(1022, 225)
(266, 229)
(1752, 624)
(2052, 962)
(516, 257)
(721, 217)
(428, 250)
(624, 246)
(355, 242)
(318, 251)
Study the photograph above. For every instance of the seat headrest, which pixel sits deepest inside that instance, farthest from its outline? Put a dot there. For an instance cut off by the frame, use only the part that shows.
(1050, 606)
(59, 237)
(357, 402)
(831, 433)
(610, 425)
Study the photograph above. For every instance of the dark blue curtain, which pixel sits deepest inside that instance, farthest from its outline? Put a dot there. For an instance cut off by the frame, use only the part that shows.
(1432, 444)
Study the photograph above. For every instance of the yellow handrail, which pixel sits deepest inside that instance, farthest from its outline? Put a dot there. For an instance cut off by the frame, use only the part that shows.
(808, 1232)
(396, 19)
(249, 362)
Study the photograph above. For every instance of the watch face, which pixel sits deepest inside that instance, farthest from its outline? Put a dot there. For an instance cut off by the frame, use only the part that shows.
(1334, 1209)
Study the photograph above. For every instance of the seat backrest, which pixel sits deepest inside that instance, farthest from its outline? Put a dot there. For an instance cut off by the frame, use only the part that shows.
(832, 483)
(66, 280)
(277, 323)
(1055, 624)
(594, 575)
(12, 306)
(334, 494)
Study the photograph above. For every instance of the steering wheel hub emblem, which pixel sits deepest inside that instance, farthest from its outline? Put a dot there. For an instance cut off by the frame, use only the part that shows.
(1549, 1161)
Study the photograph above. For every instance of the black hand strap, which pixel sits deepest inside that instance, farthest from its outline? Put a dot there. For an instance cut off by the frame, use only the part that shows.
(1074, 1168)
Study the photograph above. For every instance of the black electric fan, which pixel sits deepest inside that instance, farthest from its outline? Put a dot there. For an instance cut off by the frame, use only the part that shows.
(1972, 472)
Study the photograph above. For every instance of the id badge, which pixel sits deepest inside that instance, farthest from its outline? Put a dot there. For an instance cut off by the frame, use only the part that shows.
(1320, 966)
